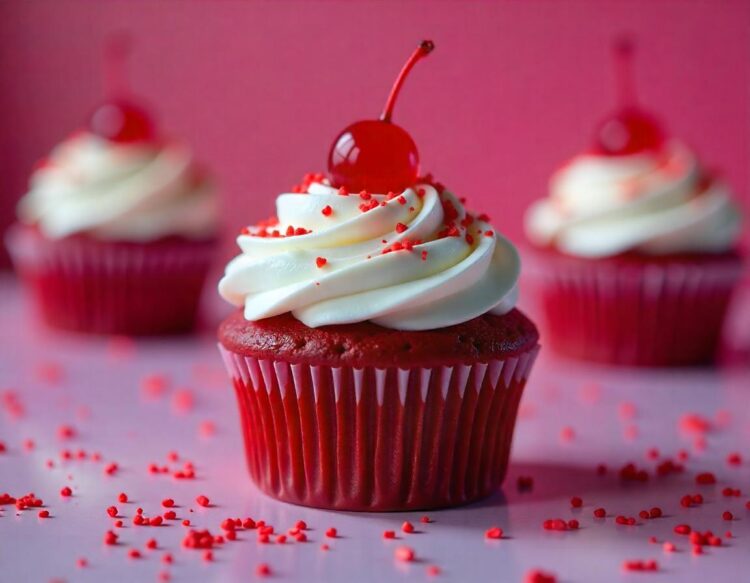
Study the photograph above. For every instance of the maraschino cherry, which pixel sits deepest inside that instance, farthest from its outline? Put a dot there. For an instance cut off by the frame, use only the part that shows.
(378, 155)
(630, 129)
(120, 119)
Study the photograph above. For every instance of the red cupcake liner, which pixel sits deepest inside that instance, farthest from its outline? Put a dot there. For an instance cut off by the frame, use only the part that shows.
(86, 285)
(661, 312)
(378, 439)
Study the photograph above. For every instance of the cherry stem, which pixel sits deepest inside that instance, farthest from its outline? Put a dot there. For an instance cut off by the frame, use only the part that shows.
(424, 49)
(623, 49)
(116, 52)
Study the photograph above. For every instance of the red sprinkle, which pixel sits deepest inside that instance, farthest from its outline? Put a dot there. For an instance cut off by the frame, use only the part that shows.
(407, 527)
(400, 227)
(392, 534)
(649, 565)
(327, 210)
(110, 538)
(203, 501)
(432, 570)
(167, 503)
(567, 433)
(198, 539)
(263, 570)
(555, 524)
(704, 479)
(112, 511)
(320, 261)
(66, 432)
(625, 520)
(734, 459)
(405, 554)
(151, 543)
(494, 533)
(683, 529)
(694, 423)
(727, 515)
(331, 533)
(44, 514)
(600, 513)
(537, 576)
(66, 492)
(576, 502)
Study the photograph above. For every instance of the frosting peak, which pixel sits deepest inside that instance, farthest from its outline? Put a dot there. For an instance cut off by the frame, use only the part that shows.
(652, 202)
(413, 260)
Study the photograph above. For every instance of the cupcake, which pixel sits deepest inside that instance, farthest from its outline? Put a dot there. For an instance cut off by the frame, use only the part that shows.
(376, 354)
(117, 230)
(634, 252)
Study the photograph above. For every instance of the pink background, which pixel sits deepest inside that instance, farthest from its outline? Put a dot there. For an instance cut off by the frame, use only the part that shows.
(261, 88)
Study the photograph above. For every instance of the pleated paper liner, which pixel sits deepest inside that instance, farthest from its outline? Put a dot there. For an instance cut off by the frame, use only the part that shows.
(649, 313)
(102, 287)
(375, 439)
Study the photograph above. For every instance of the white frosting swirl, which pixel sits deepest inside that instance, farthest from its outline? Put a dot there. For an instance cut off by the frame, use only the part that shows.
(437, 281)
(131, 192)
(654, 203)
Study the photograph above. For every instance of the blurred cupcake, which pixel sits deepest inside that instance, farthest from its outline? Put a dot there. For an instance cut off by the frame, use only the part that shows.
(635, 249)
(378, 359)
(116, 233)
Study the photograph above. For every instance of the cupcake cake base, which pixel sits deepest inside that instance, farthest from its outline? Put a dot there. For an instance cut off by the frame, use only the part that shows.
(111, 287)
(360, 417)
(633, 309)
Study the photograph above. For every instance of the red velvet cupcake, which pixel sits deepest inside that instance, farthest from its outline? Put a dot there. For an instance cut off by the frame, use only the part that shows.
(378, 359)
(634, 253)
(118, 229)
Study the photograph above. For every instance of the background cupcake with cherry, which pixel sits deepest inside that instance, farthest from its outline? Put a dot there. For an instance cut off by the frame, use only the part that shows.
(635, 250)
(376, 354)
(118, 228)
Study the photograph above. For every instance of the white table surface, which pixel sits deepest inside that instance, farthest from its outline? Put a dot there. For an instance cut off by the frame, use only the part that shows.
(614, 415)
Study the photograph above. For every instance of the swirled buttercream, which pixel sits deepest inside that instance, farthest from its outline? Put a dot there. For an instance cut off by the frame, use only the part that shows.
(414, 260)
(132, 192)
(652, 202)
